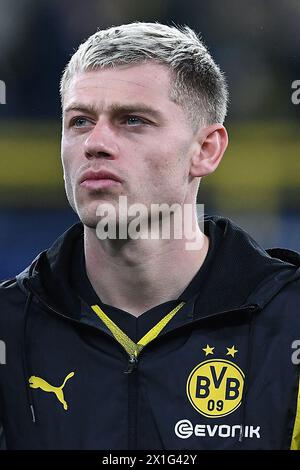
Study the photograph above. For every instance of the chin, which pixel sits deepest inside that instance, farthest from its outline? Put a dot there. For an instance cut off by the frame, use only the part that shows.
(88, 218)
(87, 215)
(89, 223)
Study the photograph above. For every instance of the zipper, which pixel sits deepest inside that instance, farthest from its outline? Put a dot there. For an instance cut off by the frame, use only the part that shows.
(132, 364)
(133, 405)
(131, 372)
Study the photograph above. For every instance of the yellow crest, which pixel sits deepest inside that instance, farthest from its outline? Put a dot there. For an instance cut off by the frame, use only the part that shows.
(215, 387)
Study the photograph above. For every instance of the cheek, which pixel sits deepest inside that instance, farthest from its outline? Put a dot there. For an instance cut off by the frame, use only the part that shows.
(65, 154)
(69, 161)
(170, 162)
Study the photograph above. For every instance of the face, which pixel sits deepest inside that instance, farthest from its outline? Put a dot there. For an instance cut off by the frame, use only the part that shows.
(122, 121)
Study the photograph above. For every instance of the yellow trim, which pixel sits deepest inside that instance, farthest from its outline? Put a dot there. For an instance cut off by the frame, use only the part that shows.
(295, 444)
(134, 349)
(120, 336)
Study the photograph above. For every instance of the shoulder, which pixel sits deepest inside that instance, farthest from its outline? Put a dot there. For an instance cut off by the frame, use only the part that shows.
(290, 293)
(283, 311)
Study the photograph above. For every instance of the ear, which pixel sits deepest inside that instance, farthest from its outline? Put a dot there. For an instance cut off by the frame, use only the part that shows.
(211, 143)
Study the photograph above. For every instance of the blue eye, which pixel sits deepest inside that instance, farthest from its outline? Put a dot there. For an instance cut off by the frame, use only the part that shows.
(76, 122)
(133, 120)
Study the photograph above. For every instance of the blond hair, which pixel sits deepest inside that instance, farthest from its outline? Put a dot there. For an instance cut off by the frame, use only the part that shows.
(197, 83)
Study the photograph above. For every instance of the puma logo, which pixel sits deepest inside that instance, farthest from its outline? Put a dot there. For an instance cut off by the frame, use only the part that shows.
(37, 382)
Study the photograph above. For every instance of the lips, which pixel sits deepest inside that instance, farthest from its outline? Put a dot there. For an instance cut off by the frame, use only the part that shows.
(99, 175)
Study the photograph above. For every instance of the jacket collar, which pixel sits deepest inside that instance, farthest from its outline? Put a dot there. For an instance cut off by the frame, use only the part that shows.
(241, 273)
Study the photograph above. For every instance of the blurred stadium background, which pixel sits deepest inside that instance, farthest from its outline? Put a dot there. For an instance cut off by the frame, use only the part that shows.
(256, 44)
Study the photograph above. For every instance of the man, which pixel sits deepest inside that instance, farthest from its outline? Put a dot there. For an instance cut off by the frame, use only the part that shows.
(127, 342)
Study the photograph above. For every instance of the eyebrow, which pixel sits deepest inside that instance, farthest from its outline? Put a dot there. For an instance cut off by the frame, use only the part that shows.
(115, 109)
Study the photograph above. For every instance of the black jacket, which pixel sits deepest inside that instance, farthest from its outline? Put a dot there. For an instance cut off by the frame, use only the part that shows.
(221, 373)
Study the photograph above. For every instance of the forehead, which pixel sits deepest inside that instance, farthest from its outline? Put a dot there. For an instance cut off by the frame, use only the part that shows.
(149, 82)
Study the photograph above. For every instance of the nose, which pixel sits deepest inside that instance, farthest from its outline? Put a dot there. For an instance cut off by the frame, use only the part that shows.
(101, 142)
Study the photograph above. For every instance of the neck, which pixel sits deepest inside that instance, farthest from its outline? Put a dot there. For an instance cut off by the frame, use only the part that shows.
(137, 275)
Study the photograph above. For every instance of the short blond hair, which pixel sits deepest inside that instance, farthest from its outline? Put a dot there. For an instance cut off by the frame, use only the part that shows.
(198, 84)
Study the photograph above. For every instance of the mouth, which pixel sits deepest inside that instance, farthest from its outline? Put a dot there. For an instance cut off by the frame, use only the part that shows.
(99, 183)
(99, 179)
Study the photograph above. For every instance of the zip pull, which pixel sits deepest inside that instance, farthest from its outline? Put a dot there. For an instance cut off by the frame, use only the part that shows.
(132, 363)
